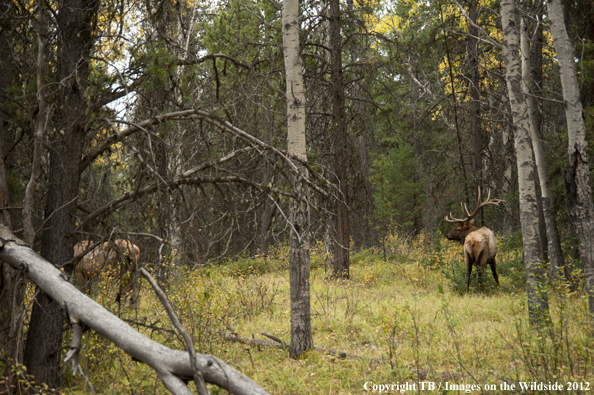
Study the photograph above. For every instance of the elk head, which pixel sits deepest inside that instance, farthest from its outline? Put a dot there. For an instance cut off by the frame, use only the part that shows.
(479, 244)
(466, 225)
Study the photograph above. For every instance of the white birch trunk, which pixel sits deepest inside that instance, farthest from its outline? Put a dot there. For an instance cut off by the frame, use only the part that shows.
(553, 243)
(299, 265)
(537, 301)
(577, 175)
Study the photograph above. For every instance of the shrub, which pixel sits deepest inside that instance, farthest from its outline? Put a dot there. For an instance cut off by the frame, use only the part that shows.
(510, 269)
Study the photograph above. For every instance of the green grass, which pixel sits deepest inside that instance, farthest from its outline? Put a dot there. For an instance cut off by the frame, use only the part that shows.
(401, 316)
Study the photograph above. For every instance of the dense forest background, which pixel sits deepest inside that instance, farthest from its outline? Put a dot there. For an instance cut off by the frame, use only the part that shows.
(165, 123)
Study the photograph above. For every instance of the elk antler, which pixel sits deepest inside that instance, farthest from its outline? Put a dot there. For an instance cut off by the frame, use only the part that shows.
(477, 209)
(454, 220)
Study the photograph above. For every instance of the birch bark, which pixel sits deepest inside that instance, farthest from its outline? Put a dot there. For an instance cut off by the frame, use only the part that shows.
(538, 306)
(299, 264)
(577, 174)
(553, 243)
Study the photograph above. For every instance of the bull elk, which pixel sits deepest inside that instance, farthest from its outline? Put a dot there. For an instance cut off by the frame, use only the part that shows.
(479, 244)
(104, 257)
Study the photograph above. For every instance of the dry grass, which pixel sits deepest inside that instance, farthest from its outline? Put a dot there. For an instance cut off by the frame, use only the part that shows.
(399, 316)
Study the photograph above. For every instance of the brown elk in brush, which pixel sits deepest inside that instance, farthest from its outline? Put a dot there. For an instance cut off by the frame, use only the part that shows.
(119, 256)
(479, 244)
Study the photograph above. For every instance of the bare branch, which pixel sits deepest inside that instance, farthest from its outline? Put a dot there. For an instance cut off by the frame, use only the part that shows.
(214, 120)
(198, 379)
(285, 156)
(172, 367)
(262, 20)
(188, 62)
(225, 158)
(137, 193)
(111, 140)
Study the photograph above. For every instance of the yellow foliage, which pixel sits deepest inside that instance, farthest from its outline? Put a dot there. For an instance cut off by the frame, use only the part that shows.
(114, 157)
(491, 61)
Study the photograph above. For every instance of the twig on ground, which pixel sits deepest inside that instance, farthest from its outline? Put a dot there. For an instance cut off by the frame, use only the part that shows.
(276, 339)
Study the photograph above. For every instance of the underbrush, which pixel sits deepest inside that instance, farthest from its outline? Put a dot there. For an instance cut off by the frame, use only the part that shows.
(404, 316)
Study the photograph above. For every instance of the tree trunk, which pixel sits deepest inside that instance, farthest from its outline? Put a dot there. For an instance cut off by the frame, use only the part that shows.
(29, 206)
(368, 233)
(12, 282)
(475, 94)
(342, 236)
(577, 175)
(553, 242)
(538, 305)
(267, 209)
(7, 135)
(299, 265)
(196, 228)
(75, 40)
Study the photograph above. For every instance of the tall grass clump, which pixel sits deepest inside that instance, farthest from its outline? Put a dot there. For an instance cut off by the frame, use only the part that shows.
(449, 256)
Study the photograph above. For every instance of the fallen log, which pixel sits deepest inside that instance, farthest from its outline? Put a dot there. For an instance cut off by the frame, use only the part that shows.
(172, 367)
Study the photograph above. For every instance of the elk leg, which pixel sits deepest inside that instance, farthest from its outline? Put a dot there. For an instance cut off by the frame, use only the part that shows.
(494, 270)
(468, 267)
(120, 293)
(481, 262)
(126, 283)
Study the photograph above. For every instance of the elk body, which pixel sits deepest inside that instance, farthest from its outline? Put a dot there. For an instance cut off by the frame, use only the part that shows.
(104, 257)
(479, 244)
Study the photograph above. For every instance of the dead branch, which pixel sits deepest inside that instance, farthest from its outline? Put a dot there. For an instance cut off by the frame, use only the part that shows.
(172, 367)
(137, 193)
(234, 337)
(193, 62)
(198, 379)
(276, 339)
(111, 140)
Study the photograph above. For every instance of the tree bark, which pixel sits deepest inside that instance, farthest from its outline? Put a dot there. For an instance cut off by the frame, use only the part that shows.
(538, 306)
(29, 206)
(475, 94)
(172, 367)
(267, 210)
(196, 228)
(341, 240)
(577, 174)
(75, 40)
(7, 135)
(553, 242)
(12, 282)
(299, 264)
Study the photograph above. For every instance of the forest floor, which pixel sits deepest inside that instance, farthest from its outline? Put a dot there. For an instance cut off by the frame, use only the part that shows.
(406, 318)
